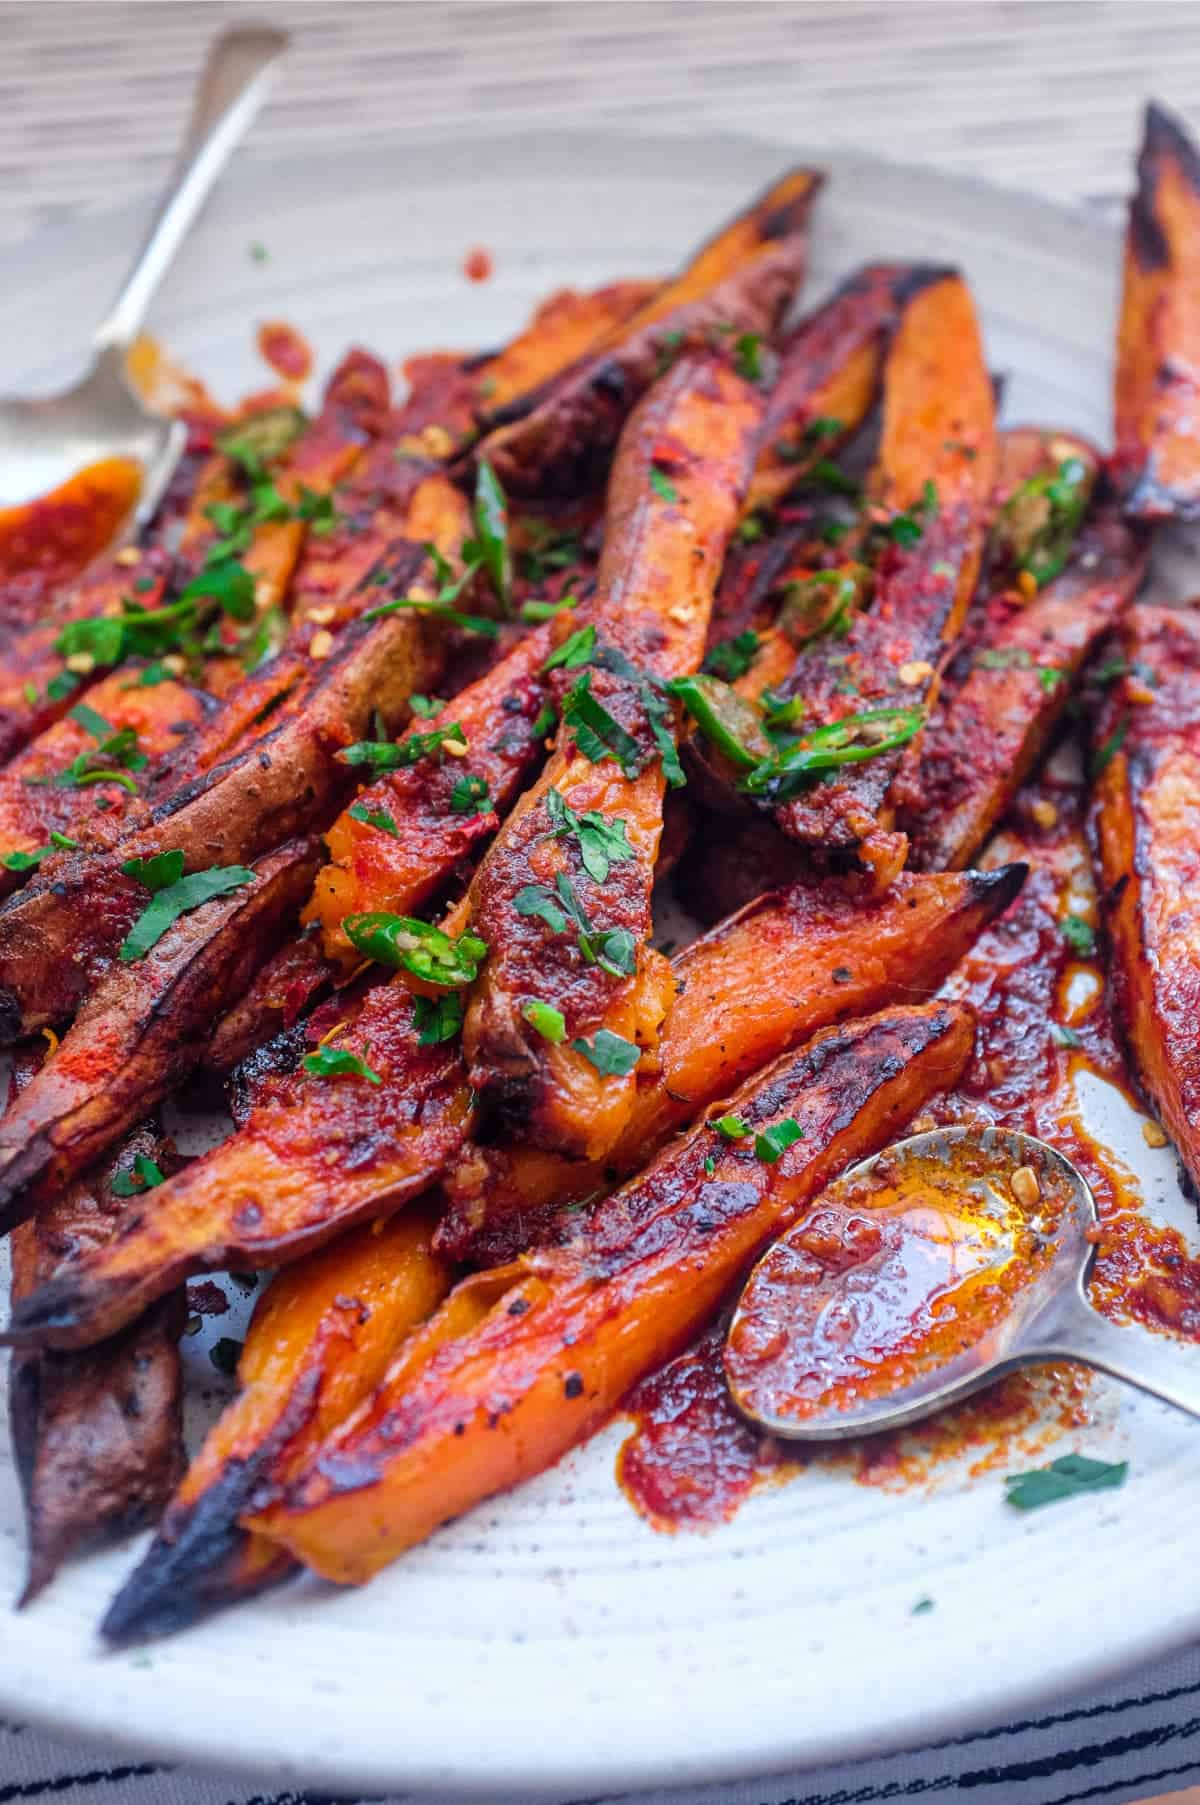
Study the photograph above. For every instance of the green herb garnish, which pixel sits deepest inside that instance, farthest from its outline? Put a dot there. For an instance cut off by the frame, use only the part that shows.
(548, 1021)
(611, 1054)
(597, 734)
(374, 817)
(470, 796)
(731, 1128)
(144, 1176)
(396, 755)
(404, 943)
(851, 741)
(574, 651)
(1066, 1477)
(337, 1062)
(775, 1140)
(732, 658)
(176, 898)
(662, 485)
(437, 1018)
(1079, 934)
(601, 842)
(747, 356)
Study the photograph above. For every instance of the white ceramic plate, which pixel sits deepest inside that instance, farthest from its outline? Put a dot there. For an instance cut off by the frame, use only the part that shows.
(550, 1641)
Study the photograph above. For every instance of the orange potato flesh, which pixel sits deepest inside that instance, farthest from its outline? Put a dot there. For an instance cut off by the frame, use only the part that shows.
(320, 1340)
(662, 555)
(794, 961)
(563, 1346)
(316, 1156)
(1147, 818)
(1157, 387)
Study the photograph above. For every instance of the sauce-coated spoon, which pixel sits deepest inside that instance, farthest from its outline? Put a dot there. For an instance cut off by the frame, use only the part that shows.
(923, 1274)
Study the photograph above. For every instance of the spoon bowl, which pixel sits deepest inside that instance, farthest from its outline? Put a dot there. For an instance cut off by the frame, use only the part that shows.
(924, 1274)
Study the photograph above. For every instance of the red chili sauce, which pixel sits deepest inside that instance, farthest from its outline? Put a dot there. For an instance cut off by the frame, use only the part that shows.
(287, 351)
(1043, 1017)
(477, 265)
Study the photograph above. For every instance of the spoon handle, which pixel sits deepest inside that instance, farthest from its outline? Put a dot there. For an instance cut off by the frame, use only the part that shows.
(1154, 1363)
(241, 67)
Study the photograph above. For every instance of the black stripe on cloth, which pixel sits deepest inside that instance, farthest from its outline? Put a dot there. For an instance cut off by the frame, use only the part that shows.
(319, 1798)
(1138, 1780)
(1017, 1772)
(100, 1776)
(1091, 1755)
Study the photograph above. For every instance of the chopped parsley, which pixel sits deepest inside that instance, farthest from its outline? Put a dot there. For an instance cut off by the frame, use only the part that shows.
(174, 895)
(470, 796)
(1049, 678)
(775, 1140)
(574, 651)
(489, 549)
(611, 1054)
(374, 817)
(732, 658)
(597, 734)
(437, 1018)
(614, 949)
(337, 1062)
(535, 612)
(747, 356)
(144, 1175)
(662, 485)
(1066, 1477)
(731, 1128)
(26, 861)
(1079, 934)
(601, 843)
(1105, 753)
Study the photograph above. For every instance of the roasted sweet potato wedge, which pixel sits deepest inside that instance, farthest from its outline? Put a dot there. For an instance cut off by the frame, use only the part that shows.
(407, 834)
(576, 1327)
(61, 931)
(142, 1029)
(742, 281)
(317, 1155)
(567, 927)
(1147, 826)
(983, 743)
(790, 963)
(829, 374)
(865, 694)
(1157, 394)
(280, 992)
(98, 1435)
(321, 1339)
(58, 784)
(36, 689)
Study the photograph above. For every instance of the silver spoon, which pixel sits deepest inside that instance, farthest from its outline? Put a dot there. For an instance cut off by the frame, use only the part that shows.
(1049, 1318)
(46, 440)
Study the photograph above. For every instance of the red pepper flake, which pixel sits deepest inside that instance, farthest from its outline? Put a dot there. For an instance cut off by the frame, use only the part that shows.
(285, 349)
(477, 265)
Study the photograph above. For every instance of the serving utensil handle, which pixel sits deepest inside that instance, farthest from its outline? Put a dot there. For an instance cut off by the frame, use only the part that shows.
(241, 68)
(1167, 1369)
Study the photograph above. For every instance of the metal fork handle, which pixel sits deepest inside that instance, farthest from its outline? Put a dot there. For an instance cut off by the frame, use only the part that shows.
(241, 68)
(1167, 1369)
